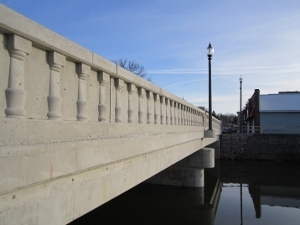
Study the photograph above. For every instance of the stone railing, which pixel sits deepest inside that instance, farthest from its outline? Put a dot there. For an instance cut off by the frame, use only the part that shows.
(45, 76)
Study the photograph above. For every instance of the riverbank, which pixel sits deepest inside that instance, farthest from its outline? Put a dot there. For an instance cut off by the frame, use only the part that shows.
(277, 147)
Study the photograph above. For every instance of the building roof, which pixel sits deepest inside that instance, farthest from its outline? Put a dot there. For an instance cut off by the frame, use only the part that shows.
(281, 102)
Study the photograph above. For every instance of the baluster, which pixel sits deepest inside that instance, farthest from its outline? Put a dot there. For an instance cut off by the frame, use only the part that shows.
(131, 89)
(193, 117)
(179, 114)
(103, 79)
(188, 112)
(171, 112)
(119, 86)
(141, 92)
(15, 93)
(187, 116)
(57, 62)
(182, 115)
(175, 113)
(161, 110)
(167, 117)
(149, 97)
(83, 72)
(156, 97)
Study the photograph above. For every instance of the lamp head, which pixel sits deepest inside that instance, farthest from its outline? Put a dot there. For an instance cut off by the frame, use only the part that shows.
(210, 50)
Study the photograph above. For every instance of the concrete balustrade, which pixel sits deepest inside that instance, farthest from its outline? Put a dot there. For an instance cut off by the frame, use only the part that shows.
(78, 130)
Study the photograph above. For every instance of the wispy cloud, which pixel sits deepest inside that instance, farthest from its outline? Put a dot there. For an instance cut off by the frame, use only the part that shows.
(183, 83)
(226, 71)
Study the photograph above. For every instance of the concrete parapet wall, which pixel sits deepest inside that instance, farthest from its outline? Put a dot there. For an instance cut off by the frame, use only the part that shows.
(44, 151)
(260, 146)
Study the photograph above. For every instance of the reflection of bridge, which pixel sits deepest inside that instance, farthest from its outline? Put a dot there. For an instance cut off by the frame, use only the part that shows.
(77, 130)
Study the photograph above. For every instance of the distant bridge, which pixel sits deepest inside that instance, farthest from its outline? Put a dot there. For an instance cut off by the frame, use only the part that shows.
(77, 130)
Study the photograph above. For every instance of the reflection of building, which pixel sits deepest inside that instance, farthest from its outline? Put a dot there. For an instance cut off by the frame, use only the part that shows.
(269, 184)
(273, 113)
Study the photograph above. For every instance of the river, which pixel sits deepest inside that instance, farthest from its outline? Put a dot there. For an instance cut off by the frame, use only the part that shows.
(235, 192)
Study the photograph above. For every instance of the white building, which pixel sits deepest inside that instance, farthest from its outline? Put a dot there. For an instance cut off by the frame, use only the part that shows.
(280, 113)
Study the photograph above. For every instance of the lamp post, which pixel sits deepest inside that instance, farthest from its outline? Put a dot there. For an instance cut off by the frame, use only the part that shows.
(241, 81)
(209, 52)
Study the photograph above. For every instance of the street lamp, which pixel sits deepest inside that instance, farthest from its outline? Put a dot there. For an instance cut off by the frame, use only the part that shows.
(209, 52)
(241, 81)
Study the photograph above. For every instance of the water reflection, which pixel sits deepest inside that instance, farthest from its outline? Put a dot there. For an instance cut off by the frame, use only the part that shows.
(269, 193)
(234, 193)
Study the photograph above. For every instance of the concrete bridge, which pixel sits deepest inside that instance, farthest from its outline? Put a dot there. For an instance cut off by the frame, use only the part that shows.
(77, 130)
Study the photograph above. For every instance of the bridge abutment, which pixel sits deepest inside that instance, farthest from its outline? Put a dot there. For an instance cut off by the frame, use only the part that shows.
(216, 146)
(189, 172)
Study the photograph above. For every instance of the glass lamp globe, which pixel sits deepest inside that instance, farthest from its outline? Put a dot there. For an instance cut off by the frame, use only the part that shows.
(210, 50)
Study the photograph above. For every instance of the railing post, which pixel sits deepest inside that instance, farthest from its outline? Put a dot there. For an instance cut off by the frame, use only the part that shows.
(83, 72)
(189, 116)
(171, 112)
(183, 116)
(131, 89)
(18, 48)
(141, 92)
(179, 114)
(156, 97)
(57, 62)
(161, 110)
(175, 111)
(149, 97)
(103, 79)
(167, 117)
(192, 117)
(118, 110)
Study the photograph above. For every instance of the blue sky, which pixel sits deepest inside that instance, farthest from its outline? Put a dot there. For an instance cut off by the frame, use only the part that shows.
(256, 39)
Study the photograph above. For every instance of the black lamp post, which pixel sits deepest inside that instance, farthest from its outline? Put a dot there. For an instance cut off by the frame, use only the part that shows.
(209, 52)
(240, 118)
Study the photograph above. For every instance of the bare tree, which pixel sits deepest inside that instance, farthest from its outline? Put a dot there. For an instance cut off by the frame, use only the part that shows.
(133, 67)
